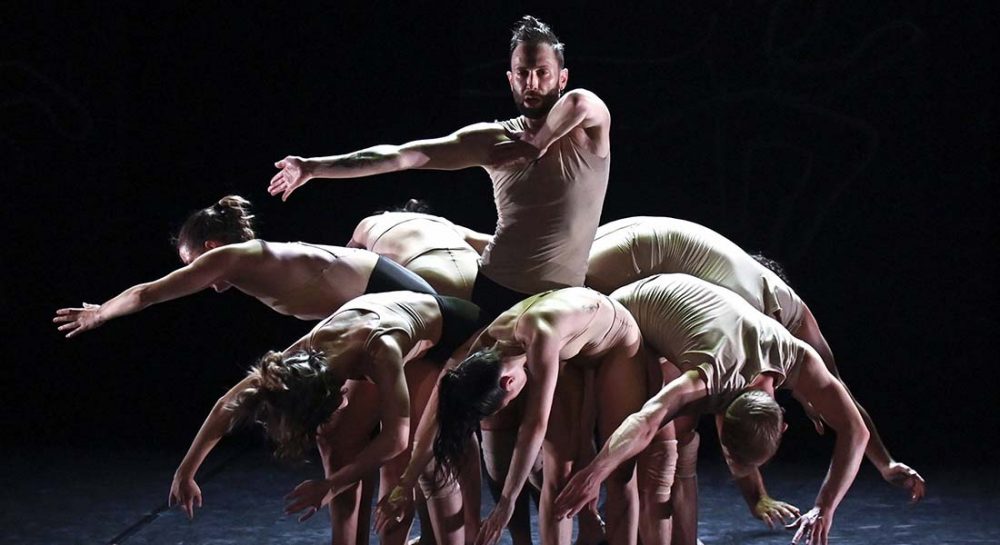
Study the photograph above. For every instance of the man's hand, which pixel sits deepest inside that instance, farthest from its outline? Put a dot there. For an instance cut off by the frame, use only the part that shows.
(393, 508)
(294, 172)
(773, 511)
(905, 477)
(78, 320)
(514, 152)
(185, 493)
(309, 496)
(813, 527)
(581, 490)
(492, 527)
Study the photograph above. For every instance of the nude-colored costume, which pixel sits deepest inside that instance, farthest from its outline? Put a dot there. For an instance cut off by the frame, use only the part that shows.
(629, 249)
(697, 325)
(326, 289)
(547, 214)
(617, 330)
(394, 313)
(428, 245)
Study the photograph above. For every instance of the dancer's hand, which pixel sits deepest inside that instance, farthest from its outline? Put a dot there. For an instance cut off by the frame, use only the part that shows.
(813, 527)
(514, 152)
(294, 172)
(905, 477)
(309, 496)
(492, 527)
(581, 490)
(78, 320)
(393, 508)
(773, 511)
(185, 493)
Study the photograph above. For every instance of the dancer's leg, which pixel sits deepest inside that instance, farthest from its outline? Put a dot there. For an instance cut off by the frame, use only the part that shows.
(339, 440)
(621, 386)
(559, 450)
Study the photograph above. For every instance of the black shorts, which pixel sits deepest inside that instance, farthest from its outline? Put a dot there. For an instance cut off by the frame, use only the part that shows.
(391, 276)
(493, 298)
(460, 319)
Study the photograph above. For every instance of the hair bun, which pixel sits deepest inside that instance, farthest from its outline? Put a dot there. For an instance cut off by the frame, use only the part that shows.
(233, 203)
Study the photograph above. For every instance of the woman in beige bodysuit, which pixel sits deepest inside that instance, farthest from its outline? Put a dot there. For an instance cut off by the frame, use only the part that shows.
(381, 353)
(432, 247)
(527, 348)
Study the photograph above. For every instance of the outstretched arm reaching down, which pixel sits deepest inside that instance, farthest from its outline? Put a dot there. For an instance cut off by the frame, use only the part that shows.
(631, 437)
(184, 491)
(311, 495)
(830, 399)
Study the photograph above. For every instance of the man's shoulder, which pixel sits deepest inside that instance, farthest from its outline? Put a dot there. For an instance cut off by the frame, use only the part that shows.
(487, 128)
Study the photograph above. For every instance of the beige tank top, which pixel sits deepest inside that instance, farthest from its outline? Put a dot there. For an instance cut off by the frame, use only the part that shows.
(697, 325)
(629, 249)
(547, 214)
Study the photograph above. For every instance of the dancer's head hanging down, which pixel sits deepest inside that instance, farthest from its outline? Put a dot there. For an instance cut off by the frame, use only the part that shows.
(293, 396)
(468, 393)
(751, 431)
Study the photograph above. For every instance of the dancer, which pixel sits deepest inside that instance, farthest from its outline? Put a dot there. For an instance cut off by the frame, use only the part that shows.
(526, 348)
(430, 246)
(379, 352)
(549, 168)
(219, 249)
(731, 359)
(443, 253)
(629, 249)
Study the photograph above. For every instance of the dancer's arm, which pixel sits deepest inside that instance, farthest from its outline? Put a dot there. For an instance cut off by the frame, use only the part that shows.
(393, 505)
(392, 439)
(543, 370)
(828, 395)
(211, 267)
(184, 491)
(467, 147)
(577, 108)
(631, 437)
(751, 486)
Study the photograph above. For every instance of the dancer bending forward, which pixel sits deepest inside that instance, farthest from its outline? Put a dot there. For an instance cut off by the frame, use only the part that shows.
(372, 362)
(434, 248)
(220, 250)
(542, 346)
(731, 359)
(630, 249)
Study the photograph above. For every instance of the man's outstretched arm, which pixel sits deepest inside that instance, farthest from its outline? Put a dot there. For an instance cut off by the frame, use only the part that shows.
(467, 147)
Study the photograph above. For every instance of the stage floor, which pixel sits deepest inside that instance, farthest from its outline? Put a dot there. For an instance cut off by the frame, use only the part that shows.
(88, 496)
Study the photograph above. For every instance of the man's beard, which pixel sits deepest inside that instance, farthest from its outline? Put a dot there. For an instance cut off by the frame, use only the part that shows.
(540, 111)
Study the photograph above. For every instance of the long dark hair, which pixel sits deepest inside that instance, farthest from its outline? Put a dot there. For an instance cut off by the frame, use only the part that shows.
(466, 394)
(292, 396)
(228, 221)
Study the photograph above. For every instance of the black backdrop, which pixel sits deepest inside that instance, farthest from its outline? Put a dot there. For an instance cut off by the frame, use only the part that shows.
(853, 142)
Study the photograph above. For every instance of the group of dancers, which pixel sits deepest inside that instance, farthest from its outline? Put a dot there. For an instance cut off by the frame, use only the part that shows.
(554, 352)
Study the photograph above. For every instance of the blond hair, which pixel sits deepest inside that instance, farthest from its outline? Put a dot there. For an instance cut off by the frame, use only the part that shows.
(752, 427)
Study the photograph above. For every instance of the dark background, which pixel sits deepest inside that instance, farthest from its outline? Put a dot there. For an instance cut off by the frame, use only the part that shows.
(853, 142)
